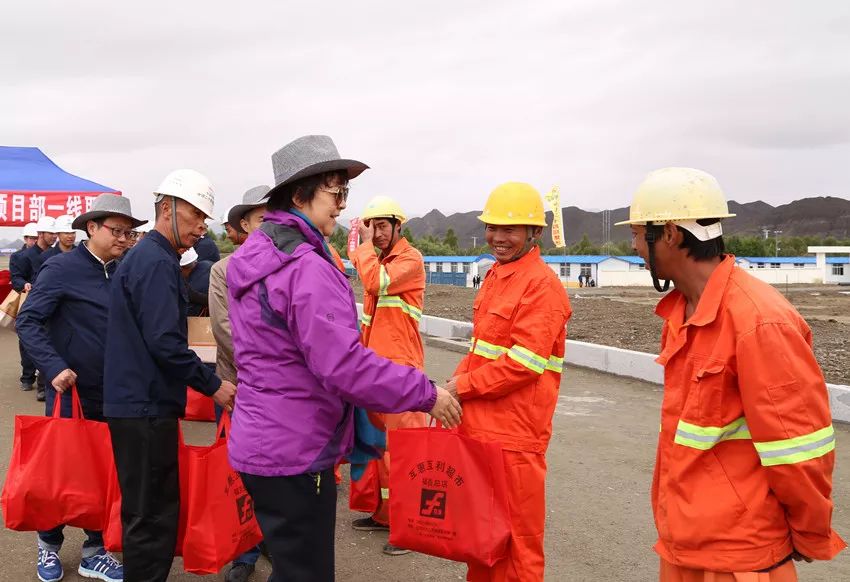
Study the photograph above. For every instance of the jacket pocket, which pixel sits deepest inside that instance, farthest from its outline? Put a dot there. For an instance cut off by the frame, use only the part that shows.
(704, 505)
(708, 385)
(499, 317)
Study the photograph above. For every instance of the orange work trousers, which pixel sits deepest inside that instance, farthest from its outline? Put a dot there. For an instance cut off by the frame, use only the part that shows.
(527, 497)
(392, 422)
(672, 573)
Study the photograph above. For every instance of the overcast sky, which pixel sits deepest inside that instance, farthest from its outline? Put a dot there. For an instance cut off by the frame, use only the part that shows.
(443, 99)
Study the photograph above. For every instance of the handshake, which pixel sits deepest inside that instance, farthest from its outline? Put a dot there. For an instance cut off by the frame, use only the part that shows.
(447, 409)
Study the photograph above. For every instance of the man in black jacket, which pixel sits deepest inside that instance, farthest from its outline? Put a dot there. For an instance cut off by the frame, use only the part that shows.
(148, 366)
(21, 283)
(63, 327)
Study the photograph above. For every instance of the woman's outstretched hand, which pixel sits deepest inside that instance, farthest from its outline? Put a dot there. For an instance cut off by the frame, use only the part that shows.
(447, 409)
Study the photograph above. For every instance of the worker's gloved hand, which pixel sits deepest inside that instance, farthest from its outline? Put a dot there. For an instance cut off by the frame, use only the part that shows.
(225, 394)
(447, 409)
(64, 380)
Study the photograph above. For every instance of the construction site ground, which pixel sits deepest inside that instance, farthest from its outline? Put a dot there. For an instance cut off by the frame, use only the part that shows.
(624, 317)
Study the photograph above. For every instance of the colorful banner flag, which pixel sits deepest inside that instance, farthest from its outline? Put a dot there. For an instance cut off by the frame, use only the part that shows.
(353, 234)
(554, 200)
(19, 208)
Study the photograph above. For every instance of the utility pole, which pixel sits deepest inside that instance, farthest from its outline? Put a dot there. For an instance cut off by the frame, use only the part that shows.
(475, 242)
(776, 234)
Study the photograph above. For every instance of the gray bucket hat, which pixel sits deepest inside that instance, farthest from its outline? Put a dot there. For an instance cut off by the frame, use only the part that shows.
(256, 196)
(107, 205)
(308, 156)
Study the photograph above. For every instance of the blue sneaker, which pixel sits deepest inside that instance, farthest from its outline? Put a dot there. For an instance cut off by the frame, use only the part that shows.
(49, 566)
(102, 566)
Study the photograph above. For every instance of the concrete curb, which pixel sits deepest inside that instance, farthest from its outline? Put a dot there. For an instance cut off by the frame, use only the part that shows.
(454, 336)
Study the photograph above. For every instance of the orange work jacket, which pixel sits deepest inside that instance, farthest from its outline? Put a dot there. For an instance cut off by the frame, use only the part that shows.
(508, 383)
(392, 304)
(337, 259)
(743, 473)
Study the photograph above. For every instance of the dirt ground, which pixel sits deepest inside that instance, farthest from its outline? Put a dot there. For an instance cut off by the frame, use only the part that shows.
(624, 317)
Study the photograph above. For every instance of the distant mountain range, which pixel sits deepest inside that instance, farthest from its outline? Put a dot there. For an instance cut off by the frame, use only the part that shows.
(821, 216)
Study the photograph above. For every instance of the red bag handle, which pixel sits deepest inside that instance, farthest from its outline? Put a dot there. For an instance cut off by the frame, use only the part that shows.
(221, 432)
(76, 405)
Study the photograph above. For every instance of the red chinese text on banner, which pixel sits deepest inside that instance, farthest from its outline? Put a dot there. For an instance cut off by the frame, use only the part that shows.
(19, 208)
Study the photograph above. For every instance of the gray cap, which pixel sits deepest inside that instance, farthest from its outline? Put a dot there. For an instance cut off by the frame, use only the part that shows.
(256, 196)
(107, 205)
(308, 156)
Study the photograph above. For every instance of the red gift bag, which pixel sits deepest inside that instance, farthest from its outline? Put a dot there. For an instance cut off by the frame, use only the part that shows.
(363, 493)
(220, 521)
(199, 407)
(448, 495)
(59, 472)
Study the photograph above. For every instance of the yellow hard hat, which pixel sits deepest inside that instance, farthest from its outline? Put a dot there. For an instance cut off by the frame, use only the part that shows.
(383, 207)
(514, 203)
(677, 194)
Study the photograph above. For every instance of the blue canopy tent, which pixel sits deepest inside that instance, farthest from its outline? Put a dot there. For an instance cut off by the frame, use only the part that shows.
(31, 185)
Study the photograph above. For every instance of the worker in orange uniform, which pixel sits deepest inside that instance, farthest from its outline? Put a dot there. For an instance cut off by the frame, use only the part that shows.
(743, 474)
(508, 383)
(394, 290)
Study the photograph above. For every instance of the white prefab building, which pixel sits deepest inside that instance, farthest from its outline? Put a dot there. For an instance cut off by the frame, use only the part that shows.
(629, 271)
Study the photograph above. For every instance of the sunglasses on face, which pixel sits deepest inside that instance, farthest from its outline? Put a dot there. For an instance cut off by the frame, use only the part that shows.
(340, 193)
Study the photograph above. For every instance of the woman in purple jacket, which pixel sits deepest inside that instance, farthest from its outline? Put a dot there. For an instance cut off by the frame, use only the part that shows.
(301, 367)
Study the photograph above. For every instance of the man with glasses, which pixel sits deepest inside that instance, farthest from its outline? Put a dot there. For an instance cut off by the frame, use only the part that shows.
(63, 328)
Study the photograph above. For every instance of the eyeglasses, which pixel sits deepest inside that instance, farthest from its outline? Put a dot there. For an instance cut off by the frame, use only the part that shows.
(119, 232)
(340, 193)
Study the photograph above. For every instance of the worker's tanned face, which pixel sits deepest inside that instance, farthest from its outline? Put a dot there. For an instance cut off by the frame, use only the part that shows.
(384, 231)
(639, 243)
(67, 239)
(506, 242)
(48, 237)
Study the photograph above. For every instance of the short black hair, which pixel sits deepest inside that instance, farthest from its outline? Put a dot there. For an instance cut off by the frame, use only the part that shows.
(98, 221)
(305, 188)
(703, 250)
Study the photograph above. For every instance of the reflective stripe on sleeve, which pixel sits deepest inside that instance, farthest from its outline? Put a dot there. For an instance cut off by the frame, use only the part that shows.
(705, 437)
(528, 359)
(366, 319)
(797, 449)
(555, 364)
(488, 350)
(385, 281)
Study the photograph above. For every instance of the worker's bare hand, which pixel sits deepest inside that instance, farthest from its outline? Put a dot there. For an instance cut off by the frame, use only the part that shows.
(447, 409)
(64, 380)
(367, 232)
(225, 394)
(798, 557)
(27, 287)
(451, 387)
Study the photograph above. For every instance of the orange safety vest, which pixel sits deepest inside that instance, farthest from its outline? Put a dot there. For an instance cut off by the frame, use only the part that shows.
(743, 474)
(508, 384)
(392, 303)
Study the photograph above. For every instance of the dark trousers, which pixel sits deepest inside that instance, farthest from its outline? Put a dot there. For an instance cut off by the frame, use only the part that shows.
(27, 366)
(92, 410)
(297, 516)
(146, 458)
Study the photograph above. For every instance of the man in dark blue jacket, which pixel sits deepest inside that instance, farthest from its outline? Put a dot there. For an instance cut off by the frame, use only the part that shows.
(21, 283)
(63, 328)
(66, 238)
(31, 260)
(148, 366)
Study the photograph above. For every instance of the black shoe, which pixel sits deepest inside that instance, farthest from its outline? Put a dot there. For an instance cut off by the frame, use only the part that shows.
(39, 394)
(392, 550)
(368, 524)
(239, 572)
(26, 387)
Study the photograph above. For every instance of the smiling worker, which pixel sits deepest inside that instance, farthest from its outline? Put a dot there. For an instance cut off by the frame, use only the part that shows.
(508, 384)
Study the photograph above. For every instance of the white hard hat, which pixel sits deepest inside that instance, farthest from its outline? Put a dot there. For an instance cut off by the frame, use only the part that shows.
(30, 230)
(146, 227)
(189, 257)
(46, 224)
(63, 223)
(191, 186)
